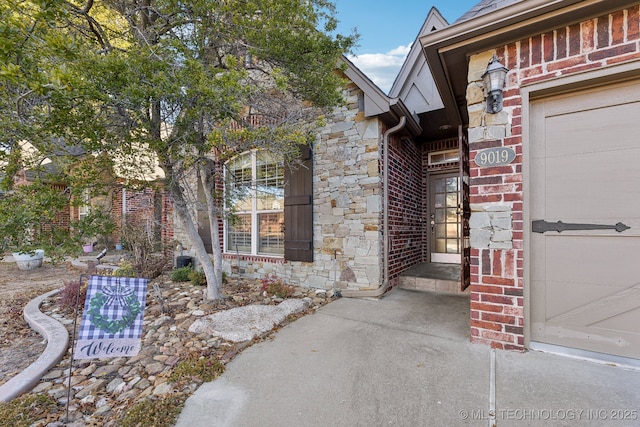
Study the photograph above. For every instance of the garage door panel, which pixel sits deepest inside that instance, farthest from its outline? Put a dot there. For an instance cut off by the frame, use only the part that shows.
(599, 311)
(582, 295)
(537, 189)
(585, 170)
(602, 185)
(595, 98)
(538, 258)
(565, 139)
(621, 322)
(602, 341)
(607, 261)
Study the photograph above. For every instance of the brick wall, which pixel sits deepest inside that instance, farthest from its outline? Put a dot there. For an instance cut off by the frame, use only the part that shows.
(146, 207)
(497, 303)
(406, 206)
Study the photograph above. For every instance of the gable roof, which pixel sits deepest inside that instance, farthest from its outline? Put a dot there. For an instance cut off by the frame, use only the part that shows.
(414, 83)
(377, 103)
(484, 7)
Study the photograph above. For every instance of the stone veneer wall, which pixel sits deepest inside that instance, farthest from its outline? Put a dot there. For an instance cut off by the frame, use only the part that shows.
(497, 303)
(347, 202)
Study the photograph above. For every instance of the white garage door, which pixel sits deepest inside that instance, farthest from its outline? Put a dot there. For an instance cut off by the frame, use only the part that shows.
(585, 173)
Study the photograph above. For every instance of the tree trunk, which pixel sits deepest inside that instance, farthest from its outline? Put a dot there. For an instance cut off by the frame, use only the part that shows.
(186, 219)
(214, 221)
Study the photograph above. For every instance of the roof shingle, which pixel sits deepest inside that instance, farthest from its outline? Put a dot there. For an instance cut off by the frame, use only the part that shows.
(484, 7)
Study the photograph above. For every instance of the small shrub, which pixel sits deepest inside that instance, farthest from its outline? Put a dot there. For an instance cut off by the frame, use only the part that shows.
(195, 367)
(197, 277)
(73, 295)
(160, 412)
(154, 267)
(275, 286)
(25, 410)
(181, 274)
(125, 269)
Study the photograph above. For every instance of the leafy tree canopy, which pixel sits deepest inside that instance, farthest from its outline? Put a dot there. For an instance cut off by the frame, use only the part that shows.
(119, 79)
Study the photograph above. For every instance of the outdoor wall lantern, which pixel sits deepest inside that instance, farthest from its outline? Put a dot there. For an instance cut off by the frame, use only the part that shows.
(493, 80)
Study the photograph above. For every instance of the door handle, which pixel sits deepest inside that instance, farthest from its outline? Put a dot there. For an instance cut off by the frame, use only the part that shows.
(540, 226)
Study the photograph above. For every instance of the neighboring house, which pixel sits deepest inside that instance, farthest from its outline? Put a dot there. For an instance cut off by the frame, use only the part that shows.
(571, 108)
(400, 188)
(147, 206)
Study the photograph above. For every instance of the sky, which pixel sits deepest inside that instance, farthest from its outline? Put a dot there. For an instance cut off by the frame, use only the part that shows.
(387, 29)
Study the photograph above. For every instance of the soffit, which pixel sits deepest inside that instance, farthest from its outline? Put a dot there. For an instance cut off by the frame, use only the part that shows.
(448, 50)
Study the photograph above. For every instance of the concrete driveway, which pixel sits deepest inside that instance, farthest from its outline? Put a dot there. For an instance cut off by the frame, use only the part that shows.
(406, 360)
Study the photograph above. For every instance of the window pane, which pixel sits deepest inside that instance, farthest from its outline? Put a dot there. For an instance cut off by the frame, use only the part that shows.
(255, 192)
(271, 233)
(452, 231)
(452, 215)
(238, 182)
(269, 183)
(452, 185)
(239, 234)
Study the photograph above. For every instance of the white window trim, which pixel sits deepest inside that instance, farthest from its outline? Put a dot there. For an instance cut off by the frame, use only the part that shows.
(430, 162)
(255, 226)
(83, 209)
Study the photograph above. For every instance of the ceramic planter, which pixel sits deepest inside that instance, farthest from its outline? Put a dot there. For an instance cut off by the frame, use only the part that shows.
(29, 261)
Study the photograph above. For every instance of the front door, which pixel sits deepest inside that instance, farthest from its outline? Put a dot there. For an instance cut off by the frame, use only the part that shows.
(445, 218)
(585, 212)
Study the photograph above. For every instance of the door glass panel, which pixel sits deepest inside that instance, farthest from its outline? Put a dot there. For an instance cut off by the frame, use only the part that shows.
(452, 185)
(445, 217)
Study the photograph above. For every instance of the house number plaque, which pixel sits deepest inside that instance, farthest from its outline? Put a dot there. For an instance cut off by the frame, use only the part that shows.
(498, 156)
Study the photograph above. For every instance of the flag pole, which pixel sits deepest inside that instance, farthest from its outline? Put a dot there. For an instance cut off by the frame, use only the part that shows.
(73, 342)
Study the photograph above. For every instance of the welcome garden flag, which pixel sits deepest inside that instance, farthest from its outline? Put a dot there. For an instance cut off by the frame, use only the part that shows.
(112, 318)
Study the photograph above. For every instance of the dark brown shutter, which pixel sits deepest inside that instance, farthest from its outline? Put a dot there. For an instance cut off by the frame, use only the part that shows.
(465, 210)
(298, 209)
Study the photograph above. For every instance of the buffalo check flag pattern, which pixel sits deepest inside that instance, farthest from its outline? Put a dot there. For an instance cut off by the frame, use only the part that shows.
(113, 317)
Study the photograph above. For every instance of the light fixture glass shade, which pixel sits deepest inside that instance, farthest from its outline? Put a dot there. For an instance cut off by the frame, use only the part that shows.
(493, 80)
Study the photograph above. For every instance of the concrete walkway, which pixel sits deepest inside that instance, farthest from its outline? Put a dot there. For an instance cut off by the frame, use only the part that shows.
(406, 360)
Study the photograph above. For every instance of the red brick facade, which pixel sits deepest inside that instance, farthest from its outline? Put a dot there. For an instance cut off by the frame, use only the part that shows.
(497, 302)
(406, 207)
(147, 207)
